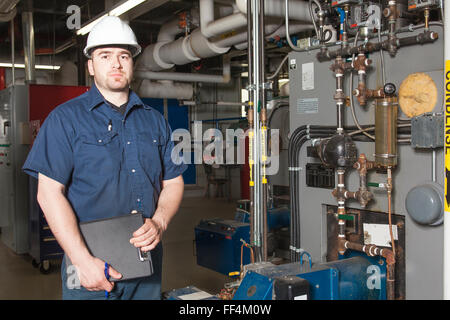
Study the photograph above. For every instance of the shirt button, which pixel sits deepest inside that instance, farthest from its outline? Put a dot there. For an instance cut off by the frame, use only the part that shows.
(132, 170)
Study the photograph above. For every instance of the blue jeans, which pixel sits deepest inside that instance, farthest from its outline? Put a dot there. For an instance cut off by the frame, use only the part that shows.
(147, 288)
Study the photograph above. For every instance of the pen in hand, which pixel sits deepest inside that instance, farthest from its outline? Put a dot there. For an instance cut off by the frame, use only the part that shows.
(107, 277)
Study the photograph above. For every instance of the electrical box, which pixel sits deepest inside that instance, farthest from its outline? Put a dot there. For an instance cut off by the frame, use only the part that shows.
(415, 5)
(427, 131)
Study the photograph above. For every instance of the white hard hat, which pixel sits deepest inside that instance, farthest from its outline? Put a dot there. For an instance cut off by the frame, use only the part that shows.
(110, 30)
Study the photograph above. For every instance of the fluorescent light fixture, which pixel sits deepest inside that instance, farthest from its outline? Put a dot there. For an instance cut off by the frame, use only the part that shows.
(89, 26)
(116, 11)
(21, 65)
(124, 7)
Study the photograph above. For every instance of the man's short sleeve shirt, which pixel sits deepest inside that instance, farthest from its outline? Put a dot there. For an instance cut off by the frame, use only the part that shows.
(110, 163)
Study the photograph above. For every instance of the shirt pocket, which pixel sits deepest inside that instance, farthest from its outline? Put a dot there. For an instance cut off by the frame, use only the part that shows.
(100, 153)
(150, 154)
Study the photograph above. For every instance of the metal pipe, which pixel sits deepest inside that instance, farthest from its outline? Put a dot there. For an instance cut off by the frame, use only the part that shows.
(340, 102)
(372, 250)
(421, 38)
(28, 43)
(288, 37)
(250, 117)
(13, 55)
(263, 120)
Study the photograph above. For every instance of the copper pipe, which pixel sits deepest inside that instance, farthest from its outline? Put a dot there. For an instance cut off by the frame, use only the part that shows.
(372, 251)
(339, 67)
(389, 195)
(427, 18)
(363, 165)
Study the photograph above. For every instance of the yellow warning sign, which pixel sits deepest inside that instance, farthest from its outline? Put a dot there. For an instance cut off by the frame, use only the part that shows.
(447, 135)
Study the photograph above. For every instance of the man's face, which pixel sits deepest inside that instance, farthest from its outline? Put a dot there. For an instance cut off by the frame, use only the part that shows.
(112, 68)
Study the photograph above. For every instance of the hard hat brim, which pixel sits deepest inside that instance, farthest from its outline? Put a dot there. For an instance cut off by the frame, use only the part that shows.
(134, 49)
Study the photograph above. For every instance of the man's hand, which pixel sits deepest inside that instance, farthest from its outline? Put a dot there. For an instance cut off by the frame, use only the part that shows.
(148, 236)
(92, 275)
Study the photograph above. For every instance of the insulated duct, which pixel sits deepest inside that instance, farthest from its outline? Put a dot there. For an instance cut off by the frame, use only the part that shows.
(298, 10)
(280, 32)
(164, 55)
(188, 77)
(168, 52)
(210, 27)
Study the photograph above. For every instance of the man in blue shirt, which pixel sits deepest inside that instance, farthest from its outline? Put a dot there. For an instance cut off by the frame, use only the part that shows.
(105, 154)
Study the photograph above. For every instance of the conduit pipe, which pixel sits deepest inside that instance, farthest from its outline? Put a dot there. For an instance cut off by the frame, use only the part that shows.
(446, 213)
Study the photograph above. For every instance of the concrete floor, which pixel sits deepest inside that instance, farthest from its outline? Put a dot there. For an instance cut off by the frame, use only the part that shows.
(20, 280)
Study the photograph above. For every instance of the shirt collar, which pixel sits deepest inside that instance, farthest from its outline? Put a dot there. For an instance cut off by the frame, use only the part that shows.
(95, 98)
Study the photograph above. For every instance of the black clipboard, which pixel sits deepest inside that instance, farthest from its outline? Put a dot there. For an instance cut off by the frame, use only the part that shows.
(109, 240)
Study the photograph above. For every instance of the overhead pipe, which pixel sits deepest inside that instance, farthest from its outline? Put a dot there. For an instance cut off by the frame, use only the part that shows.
(188, 77)
(162, 55)
(168, 52)
(280, 32)
(210, 27)
(275, 8)
(242, 36)
(272, 8)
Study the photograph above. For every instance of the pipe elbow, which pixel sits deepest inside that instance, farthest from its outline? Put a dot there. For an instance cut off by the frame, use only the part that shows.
(241, 5)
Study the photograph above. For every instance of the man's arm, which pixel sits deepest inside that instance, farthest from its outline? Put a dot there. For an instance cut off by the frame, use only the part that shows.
(63, 223)
(150, 234)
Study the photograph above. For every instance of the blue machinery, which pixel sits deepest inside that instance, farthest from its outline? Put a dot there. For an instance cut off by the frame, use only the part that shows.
(218, 242)
(354, 276)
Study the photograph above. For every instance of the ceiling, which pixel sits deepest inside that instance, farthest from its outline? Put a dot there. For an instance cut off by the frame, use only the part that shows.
(50, 16)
